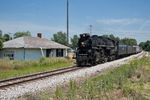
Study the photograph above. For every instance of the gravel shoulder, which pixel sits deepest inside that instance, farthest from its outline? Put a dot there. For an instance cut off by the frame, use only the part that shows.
(51, 82)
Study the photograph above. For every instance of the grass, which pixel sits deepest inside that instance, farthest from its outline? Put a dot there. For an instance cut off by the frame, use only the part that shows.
(18, 68)
(131, 81)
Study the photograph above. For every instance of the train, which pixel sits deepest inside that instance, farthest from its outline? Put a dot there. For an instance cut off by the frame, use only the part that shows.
(96, 49)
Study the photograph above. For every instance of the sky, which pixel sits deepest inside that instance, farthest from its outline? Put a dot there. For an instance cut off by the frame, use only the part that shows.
(122, 18)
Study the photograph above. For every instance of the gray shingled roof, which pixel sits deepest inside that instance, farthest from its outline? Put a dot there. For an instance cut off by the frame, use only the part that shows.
(33, 42)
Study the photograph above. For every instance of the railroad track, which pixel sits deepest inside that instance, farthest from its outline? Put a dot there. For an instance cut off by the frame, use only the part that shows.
(142, 54)
(27, 78)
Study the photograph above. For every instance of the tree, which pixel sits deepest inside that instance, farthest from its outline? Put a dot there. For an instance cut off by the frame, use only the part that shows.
(1, 44)
(0, 34)
(74, 41)
(111, 36)
(6, 37)
(129, 41)
(105, 35)
(145, 45)
(60, 37)
(1, 41)
(142, 44)
(20, 34)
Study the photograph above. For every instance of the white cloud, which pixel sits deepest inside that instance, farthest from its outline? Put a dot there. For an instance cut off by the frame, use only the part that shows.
(48, 31)
(124, 21)
(14, 26)
(125, 25)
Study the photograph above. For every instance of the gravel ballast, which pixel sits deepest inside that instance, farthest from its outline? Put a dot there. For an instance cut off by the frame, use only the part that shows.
(51, 82)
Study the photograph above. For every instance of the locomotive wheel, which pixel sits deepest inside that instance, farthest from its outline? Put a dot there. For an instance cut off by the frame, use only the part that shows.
(93, 63)
(111, 58)
(105, 59)
(78, 64)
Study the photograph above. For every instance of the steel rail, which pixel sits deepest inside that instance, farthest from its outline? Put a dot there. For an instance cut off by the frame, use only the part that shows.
(36, 76)
(29, 75)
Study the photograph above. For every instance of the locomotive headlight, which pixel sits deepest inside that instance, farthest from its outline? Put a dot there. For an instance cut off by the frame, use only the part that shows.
(83, 44)
(83, 35)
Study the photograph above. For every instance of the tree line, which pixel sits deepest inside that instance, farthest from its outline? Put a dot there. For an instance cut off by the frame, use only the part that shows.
(145, 45)
(61, 37)
(127, 41)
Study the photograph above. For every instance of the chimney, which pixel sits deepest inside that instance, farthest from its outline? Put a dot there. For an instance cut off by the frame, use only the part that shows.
(39, 35)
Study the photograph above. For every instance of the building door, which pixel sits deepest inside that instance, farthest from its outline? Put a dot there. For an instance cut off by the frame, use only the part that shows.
(48, 52)
(62, 53)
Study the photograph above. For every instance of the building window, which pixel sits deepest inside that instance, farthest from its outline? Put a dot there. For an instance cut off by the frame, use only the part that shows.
(9, 54)
(49, 53)
(59, 53)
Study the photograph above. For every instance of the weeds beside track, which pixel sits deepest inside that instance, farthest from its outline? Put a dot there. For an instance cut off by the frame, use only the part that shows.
(15, 68)
(116, 84)
(129, 81)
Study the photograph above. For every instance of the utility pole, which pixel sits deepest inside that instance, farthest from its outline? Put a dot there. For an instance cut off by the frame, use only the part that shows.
(68, 21)
(91, 29)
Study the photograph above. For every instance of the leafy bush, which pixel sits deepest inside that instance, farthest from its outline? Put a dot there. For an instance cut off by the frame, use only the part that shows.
(145, 45)
(59, 94)
(138, 75)
(126, 91)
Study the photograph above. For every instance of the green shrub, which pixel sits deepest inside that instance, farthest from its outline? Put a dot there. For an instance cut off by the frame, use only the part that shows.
(59, 94)
(18, 65)
(6, 64)
(72, 90)
(42, 61)
(128, 91)
(138, 75)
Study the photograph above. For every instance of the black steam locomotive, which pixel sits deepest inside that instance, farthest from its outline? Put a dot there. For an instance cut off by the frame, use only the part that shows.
(95, 49)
